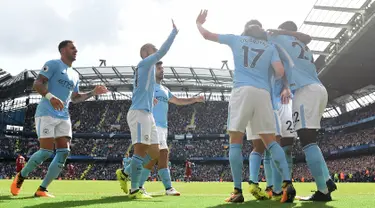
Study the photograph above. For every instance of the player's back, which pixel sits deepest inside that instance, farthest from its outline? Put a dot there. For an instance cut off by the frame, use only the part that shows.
(62, 81)
(304, 69)
(252, 60)
(143, 86)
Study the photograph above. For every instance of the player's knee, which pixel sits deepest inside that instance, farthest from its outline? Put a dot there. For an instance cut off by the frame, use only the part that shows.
(44, 154)
(307, 136)
(286, 141)
(154, 152)
(236, 137)
(163, 159)
(62, 154)
(258, 146)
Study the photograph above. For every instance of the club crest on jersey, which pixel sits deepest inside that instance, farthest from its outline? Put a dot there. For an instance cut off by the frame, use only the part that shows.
(45, 131)
(146, 137)
(45, 68)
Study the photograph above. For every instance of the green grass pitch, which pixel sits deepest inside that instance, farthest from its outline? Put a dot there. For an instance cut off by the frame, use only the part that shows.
(195, 194)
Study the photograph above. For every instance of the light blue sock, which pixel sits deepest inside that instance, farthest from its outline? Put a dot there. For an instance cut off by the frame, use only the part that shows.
(128, 169)
(56, 166)
(255, 160)
(315, 162)
(165, 176)
(35, 160)
(236, 164)
(276, 179)
(289, 158)
(278, 157)
(267, 168)
(136, 171)
(144, 176)
(146, 160)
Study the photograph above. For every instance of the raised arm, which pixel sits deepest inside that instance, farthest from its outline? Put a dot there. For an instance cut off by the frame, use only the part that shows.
(152, 59)
(201, 19)
(306, 39)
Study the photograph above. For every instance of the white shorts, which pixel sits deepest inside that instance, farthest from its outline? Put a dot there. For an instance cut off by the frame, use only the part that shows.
(250, 106)
(308, 106)
(251, 136)
(50, 127)
(284, 123)
(142, 127)
(286, 120)
(162, 136)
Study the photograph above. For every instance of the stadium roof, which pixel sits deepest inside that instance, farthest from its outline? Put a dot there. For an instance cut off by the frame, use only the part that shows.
(328, 19)
(4, 76)
(342, 33)
(120, 78)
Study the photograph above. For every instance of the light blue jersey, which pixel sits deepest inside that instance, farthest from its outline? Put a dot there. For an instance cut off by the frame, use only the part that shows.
(144, 77)
(252, 60)
(304, 70)
(285, 58)
(160, 111)
(277, 87)
(126, 161)
(62, 81)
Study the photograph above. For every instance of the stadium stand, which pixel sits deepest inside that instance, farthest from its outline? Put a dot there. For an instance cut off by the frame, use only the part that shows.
(197, 132)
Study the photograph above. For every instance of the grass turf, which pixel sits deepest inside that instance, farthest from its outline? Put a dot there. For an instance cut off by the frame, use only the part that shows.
(196, 194)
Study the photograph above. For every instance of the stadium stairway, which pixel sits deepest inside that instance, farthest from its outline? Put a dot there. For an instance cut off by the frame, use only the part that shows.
(103, 117)
(192, 120)
(118, 119)
(84, 173)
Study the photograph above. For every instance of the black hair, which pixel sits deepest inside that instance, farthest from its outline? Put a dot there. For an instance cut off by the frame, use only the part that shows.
(253, 22)
(63, 44)
(256, 32)
(289, 26)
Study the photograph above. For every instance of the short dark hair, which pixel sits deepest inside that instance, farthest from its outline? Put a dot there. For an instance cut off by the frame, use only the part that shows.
(159, 63)
(63, 44)
(256, 32)
(254, 22)
(289, 26)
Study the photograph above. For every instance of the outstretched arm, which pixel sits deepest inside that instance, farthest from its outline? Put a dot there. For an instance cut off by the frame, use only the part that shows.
(201, 19)
(186, 101)
(152, 59)
(80, 97)
(306, 39)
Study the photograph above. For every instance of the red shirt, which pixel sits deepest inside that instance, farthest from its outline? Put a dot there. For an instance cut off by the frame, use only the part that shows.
(20, 163)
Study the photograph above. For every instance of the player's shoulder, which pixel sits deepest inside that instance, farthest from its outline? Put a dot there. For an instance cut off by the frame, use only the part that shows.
(51, 65)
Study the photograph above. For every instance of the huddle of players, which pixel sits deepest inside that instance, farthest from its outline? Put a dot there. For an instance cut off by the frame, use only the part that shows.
(268, 66)
(265, 65)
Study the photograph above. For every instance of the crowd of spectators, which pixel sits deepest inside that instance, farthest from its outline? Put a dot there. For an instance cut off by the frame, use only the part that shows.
(355, 169)
(202, 118)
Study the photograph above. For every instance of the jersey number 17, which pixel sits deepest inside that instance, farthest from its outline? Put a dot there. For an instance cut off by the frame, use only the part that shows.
(246, 56)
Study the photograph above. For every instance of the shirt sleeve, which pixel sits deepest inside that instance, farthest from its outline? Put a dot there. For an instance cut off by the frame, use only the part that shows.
(48, 69)
(76, 88)
(227, 39)
(275, 55)
(170, 95)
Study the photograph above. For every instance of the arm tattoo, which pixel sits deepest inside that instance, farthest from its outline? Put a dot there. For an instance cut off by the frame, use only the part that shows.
(40, 85)
(80, 97)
